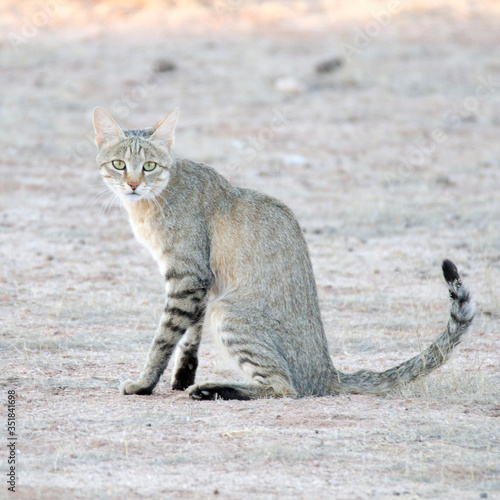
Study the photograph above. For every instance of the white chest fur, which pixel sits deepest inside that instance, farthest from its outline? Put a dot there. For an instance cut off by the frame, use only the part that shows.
(148, 231)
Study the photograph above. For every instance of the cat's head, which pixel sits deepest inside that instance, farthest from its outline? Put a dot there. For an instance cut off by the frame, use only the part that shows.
(135, 164)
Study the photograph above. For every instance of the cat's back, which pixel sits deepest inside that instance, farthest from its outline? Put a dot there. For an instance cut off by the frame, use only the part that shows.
(254, 238)
(256, 243)
(236, 210)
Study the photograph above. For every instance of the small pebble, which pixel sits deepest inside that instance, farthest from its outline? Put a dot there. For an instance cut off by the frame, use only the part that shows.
(294, 160)
(290, 85)
(164, 66)
(329, 66)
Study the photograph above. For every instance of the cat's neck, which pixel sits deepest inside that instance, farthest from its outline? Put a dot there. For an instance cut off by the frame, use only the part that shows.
(142, 206)
(144, 209)
(150, 224)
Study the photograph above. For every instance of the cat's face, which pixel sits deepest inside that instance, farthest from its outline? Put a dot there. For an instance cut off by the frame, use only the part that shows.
(134, 164)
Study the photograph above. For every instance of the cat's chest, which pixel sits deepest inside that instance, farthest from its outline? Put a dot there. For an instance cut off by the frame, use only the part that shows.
(151, 235)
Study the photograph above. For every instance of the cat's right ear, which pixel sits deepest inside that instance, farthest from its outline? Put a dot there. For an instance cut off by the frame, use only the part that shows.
(105, 127)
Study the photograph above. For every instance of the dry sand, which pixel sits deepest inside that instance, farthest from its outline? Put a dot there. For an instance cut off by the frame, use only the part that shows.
(390, 162)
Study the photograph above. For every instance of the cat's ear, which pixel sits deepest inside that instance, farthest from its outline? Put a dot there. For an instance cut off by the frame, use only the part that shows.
(105, 127)
(164, 130)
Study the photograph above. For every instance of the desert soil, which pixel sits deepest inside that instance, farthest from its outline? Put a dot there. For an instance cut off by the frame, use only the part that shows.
(388, 155)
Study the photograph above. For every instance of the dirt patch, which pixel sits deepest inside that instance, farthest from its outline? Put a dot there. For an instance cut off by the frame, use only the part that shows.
(390, 159)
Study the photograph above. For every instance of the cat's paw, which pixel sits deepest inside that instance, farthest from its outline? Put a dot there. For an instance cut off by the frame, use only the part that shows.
(131, 387)
(182, 380)
(202, 391)
(209, 391)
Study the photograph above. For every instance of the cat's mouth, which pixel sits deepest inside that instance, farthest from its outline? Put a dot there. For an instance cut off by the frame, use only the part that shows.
(133, 196)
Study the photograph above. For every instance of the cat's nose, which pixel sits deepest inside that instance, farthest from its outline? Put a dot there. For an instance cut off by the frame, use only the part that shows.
(133, 185)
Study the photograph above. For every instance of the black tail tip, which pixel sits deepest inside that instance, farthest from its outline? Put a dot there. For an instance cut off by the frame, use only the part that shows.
(450, 271)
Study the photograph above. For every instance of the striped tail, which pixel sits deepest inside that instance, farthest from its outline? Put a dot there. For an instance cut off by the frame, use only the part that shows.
(462, 312)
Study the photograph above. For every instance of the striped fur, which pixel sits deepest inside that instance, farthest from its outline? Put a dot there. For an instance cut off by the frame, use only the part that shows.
(236, 260)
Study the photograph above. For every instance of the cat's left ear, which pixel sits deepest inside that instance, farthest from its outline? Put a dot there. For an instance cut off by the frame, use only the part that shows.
(105, 127)
(164, 130)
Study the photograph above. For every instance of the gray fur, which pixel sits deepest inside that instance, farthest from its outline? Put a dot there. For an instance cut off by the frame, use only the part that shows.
(238, 258)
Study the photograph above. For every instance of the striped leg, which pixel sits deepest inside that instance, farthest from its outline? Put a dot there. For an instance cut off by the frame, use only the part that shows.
(186, 302)
(246, 338)
(186, 359)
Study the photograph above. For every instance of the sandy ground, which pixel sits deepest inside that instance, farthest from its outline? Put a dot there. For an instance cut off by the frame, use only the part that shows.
(390, 161)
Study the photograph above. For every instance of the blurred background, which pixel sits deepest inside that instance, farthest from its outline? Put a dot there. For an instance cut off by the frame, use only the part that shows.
(376, 121)
(371, 119)
(278, 94)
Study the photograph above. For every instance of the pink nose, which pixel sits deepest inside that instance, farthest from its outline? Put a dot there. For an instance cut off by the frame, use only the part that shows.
(133, 185)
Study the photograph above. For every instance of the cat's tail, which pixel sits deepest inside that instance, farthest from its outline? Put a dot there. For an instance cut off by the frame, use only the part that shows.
(462, 312)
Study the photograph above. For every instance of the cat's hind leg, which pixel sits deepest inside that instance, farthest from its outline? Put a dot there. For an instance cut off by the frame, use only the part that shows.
(215, 390)
(241, 391)
(249, 341)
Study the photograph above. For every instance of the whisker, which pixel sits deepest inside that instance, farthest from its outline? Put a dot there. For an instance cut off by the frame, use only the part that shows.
(108, 200)
(96, 198)
(167, 205)
(146, 197)
(149, 198)
(159, 207)
(112, 203)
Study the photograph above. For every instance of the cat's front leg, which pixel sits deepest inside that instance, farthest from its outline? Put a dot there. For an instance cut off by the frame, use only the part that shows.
(185, 308)
(167, 336)
(186, 359)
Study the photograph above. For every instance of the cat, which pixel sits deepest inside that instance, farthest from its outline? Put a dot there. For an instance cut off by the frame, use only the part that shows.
(238, 258)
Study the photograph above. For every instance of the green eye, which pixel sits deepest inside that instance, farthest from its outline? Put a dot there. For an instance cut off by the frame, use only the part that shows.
(118, 164)
(149, 165)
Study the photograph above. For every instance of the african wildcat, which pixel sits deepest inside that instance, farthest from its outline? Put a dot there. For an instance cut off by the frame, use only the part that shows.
(239, 258)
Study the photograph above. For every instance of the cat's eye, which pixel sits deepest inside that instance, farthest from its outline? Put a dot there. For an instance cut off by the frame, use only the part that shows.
(149, 165)
(118, 164)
